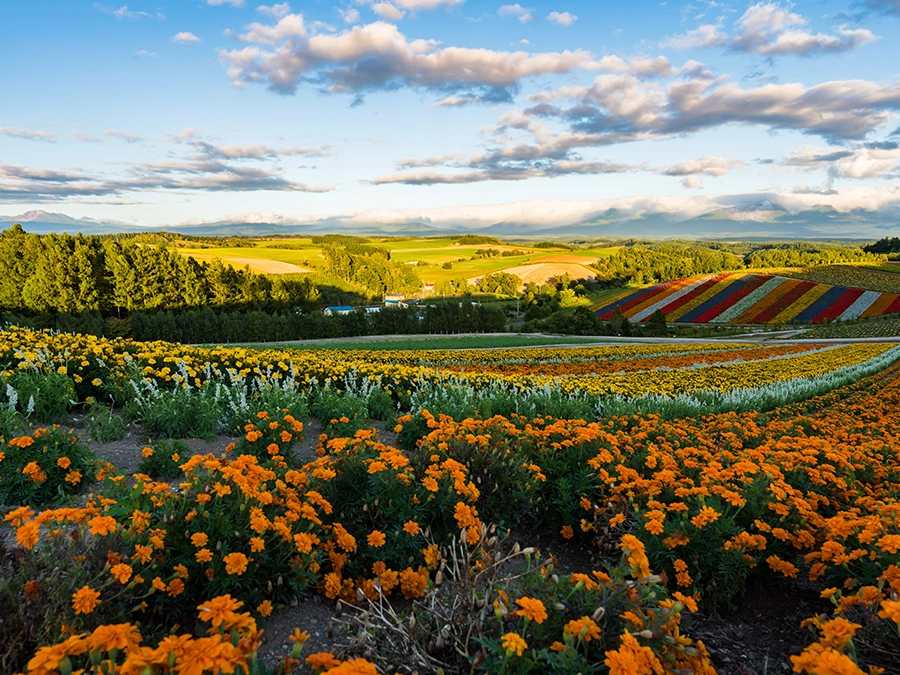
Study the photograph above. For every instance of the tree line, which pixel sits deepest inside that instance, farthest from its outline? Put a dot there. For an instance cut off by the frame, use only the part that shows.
(69, 274)
(211, 325)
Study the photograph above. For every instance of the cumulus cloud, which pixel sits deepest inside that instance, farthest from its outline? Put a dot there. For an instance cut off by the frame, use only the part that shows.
(523, 14)
(27, 134)
(562, 18)
(877, 159)
(276, 11)
(379, 56)
(770, 29)
(143, 53)
(388, 11)
(186, 37)
(233, 3)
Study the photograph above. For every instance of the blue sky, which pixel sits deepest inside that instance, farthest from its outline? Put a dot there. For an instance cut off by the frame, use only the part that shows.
(173, 111)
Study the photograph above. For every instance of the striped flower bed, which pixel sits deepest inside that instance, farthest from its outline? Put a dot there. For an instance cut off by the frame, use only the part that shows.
(750, 299)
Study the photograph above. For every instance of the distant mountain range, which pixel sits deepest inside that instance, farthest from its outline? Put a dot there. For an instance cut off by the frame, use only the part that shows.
(754, 220)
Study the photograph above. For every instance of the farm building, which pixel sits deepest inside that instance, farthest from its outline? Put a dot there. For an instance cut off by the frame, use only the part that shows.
(334, 310)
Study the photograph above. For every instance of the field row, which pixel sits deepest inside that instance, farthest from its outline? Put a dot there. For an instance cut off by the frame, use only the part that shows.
(102, 368)
(751, 299)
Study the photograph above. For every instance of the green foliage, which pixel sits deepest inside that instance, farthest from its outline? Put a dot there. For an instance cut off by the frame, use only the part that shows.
(177, 413)
(42, 467)
(270, 437)
(103, 424)
(163, 459)
(664, 262)
(40, 396)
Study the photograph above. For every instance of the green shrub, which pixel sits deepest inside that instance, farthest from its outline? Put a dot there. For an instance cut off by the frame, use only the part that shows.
(164, 459)
(102, 424)
(39, 468)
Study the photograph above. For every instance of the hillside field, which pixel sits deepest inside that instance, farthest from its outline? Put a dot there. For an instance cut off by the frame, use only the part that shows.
(293, 256)
(737, 298)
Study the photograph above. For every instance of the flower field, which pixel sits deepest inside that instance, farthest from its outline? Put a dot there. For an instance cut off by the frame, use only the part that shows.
(793, 477)
(753, 299)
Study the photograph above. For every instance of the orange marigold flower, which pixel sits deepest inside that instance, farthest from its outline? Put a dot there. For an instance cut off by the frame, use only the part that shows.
(199, 539)
(175, 588)
(236, 563)
(31, 588)
(102, 525)
(321, 660)
(838, 632)
(122, 572)
(376, 539)
(531, 608)
(298, 637)
(85, 600)
(63, 462)
(583, 629)
(114, 636)
(219, 609)
(514, 644)
(890, 609)
(27, 535)
(203, 555)
(264, 608)
(632, 658)
(706, 516)
(411, 527)
(567, 532)
(257, 544)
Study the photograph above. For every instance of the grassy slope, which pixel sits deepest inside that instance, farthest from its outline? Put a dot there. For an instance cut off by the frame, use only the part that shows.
(435, 252)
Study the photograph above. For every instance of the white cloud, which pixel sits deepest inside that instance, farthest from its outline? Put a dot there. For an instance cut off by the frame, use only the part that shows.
(878, 159)
(233, 3)
(124, 13)
(186, 37)
(143, 53)
(416, 5)
(378, 55)
(26, 134)
(693, 182)
(708, 165)
(350, 15)
(290, 26)
(388, 11)
(276, 11)
(768, 29)
(562, 18)
(523, 14)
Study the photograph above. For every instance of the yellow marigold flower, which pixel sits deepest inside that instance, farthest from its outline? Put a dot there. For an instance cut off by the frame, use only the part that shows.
(531, 608)
(376, 539)
(199, 539)
(265, 608)
(85, 600)
(236, 563)
(257, 544)
(514, 644)
(203, 555)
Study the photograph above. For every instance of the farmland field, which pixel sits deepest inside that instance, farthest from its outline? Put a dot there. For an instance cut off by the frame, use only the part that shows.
(433, 253)
(663, 483)
(751, 299)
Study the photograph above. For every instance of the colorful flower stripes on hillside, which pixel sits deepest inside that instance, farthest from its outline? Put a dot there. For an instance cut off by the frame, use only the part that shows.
(736, 298)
